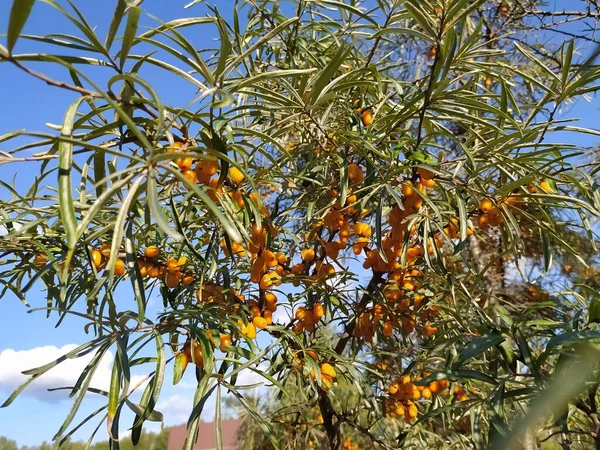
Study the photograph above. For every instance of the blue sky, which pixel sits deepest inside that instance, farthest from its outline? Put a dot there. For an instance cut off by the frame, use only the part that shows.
(28, 340)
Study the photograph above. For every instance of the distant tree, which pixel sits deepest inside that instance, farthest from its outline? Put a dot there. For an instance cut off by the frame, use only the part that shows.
(8, 444)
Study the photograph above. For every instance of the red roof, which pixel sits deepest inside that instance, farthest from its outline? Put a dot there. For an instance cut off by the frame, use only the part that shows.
(206, 436)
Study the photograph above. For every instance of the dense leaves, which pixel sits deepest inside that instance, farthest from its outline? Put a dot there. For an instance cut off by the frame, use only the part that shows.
(363, 202)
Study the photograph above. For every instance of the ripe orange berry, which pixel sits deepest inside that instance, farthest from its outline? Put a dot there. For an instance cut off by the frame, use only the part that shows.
(268, 316)
(407, 189)
(119, 267)
(300, 313)
(432, 52)
(355, 174)
(206, 168)
(187, 280)
(171, 279)
(393, 389)
(413, 412)
(225, 341)
(486, 205)
(270, 298)
(151, 251)
(387, 328)
(154, 272)
(318, 312)
(190, 175)
(97, 259)
(248, 330)
(308, 254)
(425, 174)
(185, 163)
(269, 258)
(495, 219)
(143, 266)
(545, 186)
(367, 118)
(428, 183)
(327, 369)
(105, 250)
(40, 260)
(236, 175)
(194, 353)
(483, 221)
(259, 322)
(281, 258)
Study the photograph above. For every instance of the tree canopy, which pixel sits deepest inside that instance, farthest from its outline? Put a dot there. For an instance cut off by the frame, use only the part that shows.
(371, 204)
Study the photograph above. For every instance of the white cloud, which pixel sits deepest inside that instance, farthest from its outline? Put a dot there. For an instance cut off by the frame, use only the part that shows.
(65, 374)
(176, 409)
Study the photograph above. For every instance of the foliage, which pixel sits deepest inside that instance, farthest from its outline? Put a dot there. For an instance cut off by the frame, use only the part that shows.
(150, 441)
(384, 173)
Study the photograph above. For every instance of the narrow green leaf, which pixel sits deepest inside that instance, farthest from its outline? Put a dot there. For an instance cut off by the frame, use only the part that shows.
(114, 24)
(65, 192)
(133, 17)
(218, 430)
(156, 210)
(113, 396)
(225, 50)
(477, 346)
(137, 282)
(18, 16)
(327, 73)
(181, 363)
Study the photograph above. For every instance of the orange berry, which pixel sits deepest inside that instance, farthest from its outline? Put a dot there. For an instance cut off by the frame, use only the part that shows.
(426, 393)
(97, 259)
(225, 341)
(143, 266)
(432, 52)
(105, 250)
(308, 254)
(236, 175)
(300, 313)
(486, 205)
(495, 219)
(428, 183)
(413, 412)
(190, 175)
(119, 267)
(327, 369)
(367, 118)
(545, 186)
(185, 163)
(318, 312)
(154, 272)
(387, 328)
(407, 189)
(259, 322)
(187, 280)
(355, 173)
(171, 279)
(40, 260)
(425, 174)
(151, 251)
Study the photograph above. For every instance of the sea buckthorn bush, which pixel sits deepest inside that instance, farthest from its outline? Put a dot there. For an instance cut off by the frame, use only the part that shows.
(366, 203)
